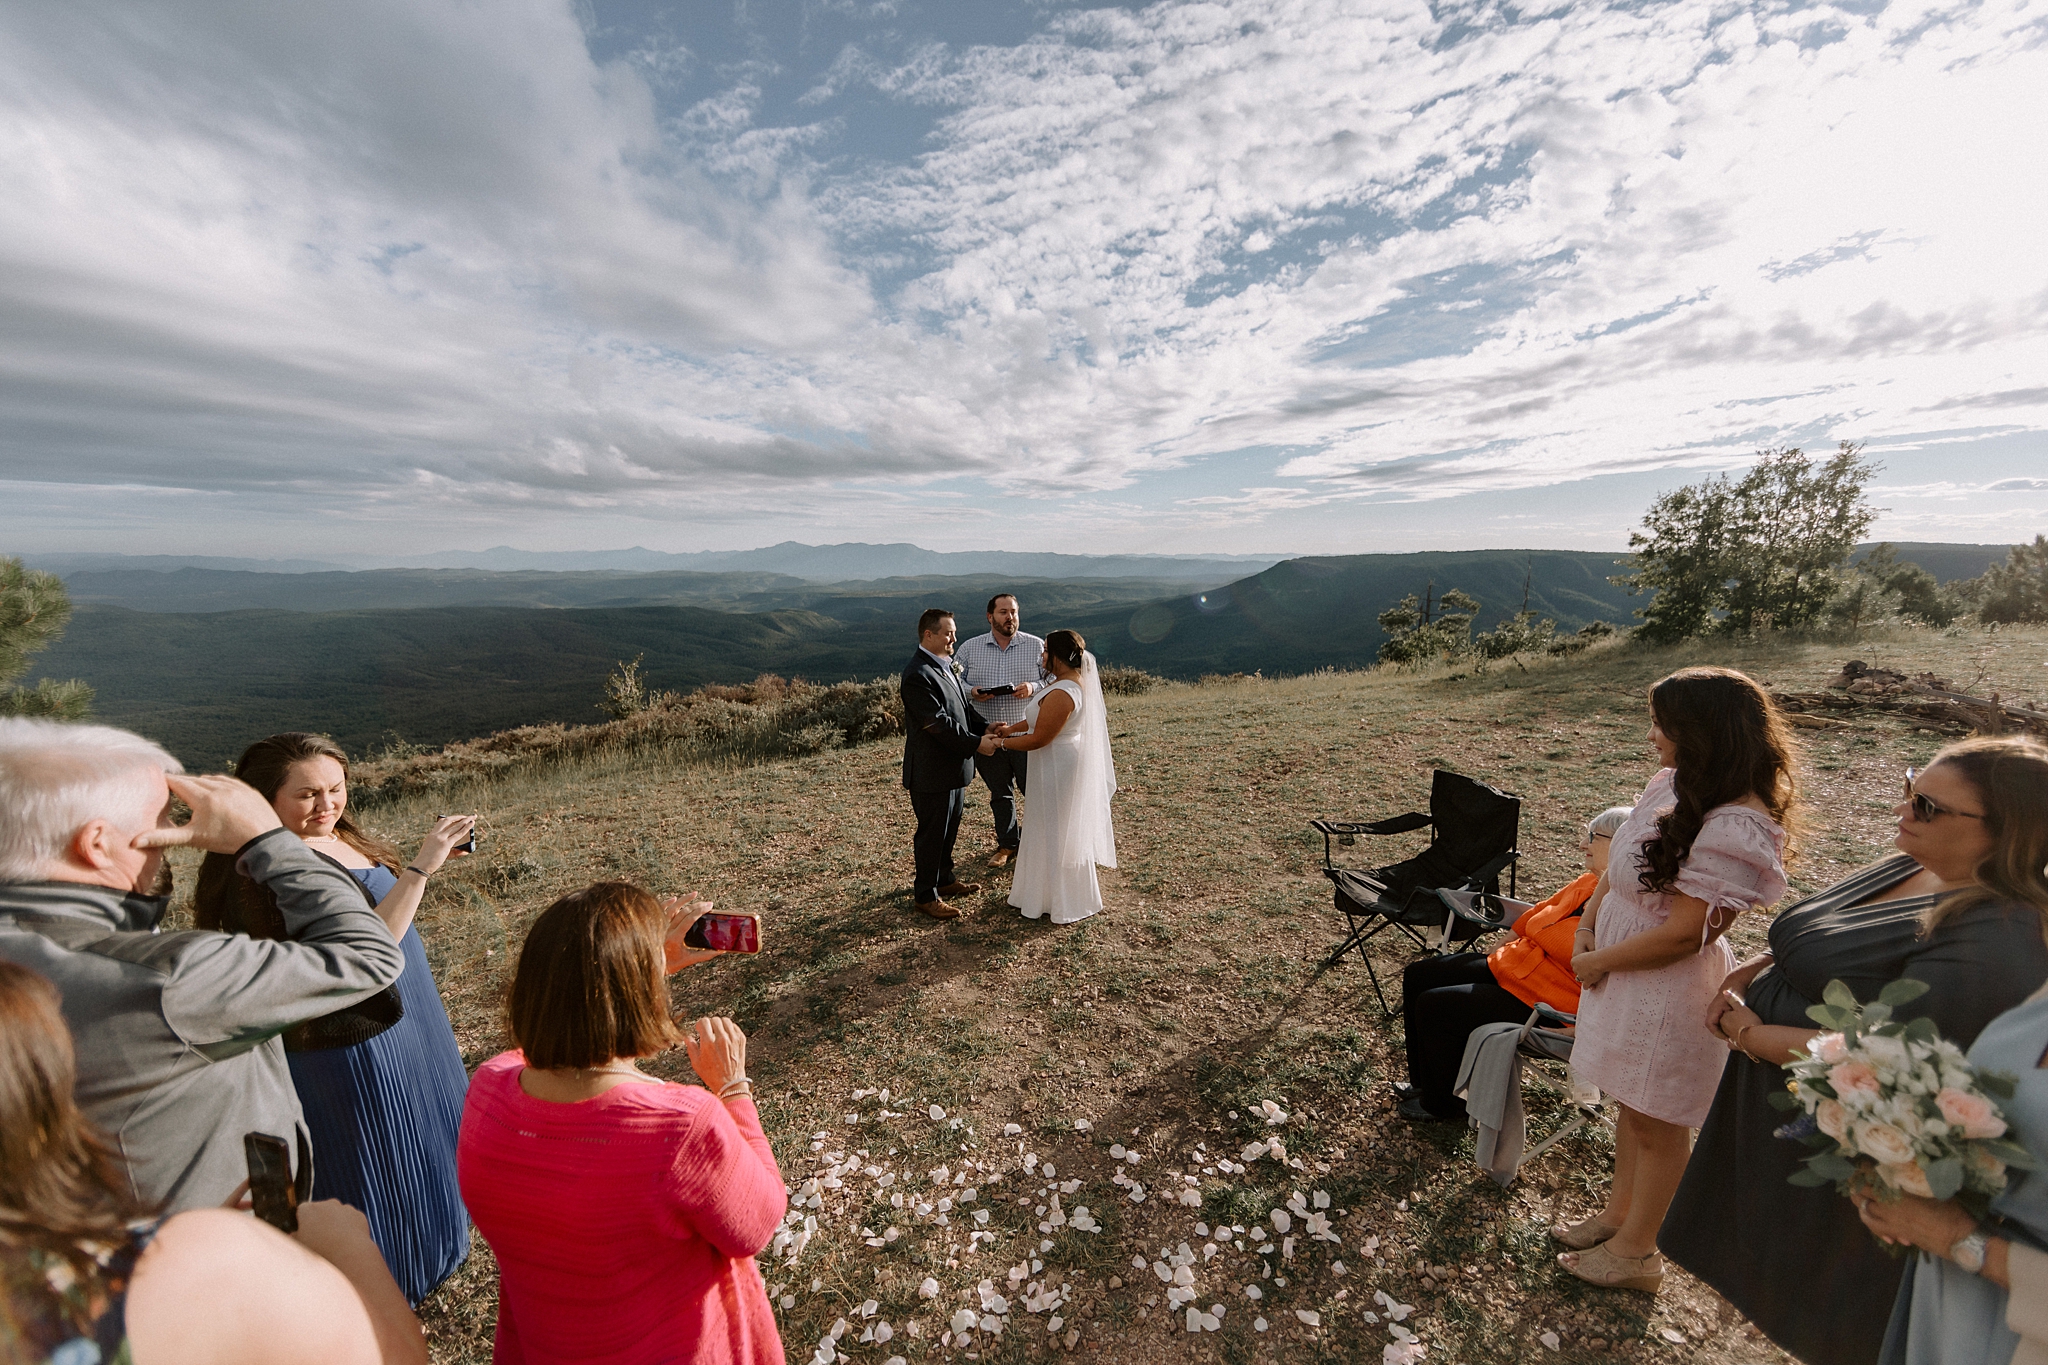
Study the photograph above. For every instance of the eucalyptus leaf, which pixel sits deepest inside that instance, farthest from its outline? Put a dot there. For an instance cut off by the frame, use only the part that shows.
(1921, 1030)
(1839, 995)
(1944, 1177)
(1778, 1099)
(1833, 1165)
(1902, 991)
(1997, 1083)
(1875, 1015)
(1807, 1179)
(1822, 1015)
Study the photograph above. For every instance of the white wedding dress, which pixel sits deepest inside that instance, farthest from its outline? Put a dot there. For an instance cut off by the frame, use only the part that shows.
(1067, 829)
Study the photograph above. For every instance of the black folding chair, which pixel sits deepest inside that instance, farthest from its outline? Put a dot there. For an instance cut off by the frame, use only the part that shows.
(1473, 833)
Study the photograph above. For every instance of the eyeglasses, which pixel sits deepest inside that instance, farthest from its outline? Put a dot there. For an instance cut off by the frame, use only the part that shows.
(1924, 808)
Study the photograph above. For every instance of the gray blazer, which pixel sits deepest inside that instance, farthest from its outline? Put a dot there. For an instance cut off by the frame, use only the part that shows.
(178, 1034)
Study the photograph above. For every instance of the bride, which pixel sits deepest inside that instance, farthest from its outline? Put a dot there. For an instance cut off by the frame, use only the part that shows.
(1067, 828)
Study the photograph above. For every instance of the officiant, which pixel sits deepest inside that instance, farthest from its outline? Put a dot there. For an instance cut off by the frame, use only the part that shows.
(1008, 657)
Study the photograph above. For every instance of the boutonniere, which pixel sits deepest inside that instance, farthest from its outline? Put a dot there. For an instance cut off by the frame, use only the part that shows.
(959, 669)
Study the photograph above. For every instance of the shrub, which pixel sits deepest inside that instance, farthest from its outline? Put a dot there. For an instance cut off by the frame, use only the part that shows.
(1123, 681)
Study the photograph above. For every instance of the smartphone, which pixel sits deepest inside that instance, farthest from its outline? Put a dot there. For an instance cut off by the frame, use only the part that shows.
(466, 846)
(271, 1193)
(725, 933)
(1006, 690)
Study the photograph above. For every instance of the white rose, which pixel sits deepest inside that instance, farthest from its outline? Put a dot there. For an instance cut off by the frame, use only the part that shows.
(1883, 1143)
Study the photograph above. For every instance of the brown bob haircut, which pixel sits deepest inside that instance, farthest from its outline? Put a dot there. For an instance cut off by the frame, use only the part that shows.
(589, 987)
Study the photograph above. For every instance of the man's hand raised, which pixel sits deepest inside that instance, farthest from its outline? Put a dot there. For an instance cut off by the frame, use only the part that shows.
(226, 814)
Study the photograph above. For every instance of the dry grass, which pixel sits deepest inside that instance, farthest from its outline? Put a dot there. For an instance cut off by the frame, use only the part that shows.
(1165, 1020)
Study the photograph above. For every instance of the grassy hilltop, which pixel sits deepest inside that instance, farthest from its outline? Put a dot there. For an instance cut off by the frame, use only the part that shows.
(1163, 1023)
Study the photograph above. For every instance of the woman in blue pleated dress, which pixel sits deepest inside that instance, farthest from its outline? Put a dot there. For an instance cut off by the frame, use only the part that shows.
(381, 1083)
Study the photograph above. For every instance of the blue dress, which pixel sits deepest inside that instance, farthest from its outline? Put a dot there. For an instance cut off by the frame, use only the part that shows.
(384, 1115)
(1945, 1315)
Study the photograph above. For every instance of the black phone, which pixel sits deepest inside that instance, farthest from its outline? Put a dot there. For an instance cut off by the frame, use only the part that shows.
(726, 933)
(271, 1192)
(1006, 690)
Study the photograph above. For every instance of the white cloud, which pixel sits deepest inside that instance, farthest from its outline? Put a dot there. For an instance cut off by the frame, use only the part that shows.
(432, 255)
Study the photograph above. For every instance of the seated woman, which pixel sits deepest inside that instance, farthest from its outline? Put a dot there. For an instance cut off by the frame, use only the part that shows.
(384, 1109)
(1979, 1292)
(1444, 998)
(646, 1254)
(88, 1275)
(1961, 907)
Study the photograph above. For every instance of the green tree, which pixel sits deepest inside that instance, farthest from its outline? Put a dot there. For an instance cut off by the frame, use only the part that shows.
(1521, 633)
(1760, 553)
(34, 609)
(1429, 627)
(1882, 585)
(2017, 590)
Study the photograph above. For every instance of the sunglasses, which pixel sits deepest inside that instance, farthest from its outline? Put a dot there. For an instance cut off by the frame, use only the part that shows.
(1924, 809)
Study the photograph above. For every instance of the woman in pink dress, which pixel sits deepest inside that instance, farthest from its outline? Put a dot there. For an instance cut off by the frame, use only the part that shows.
(1705, 843)
(625, 1211)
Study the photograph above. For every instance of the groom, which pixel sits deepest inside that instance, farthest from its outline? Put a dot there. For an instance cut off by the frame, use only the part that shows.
(942, 735)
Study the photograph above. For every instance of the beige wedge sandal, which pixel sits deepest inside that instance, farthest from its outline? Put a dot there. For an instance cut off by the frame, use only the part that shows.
(1598, 1265)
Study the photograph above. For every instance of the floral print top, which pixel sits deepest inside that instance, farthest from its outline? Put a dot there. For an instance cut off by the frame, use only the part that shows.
(48, 1316)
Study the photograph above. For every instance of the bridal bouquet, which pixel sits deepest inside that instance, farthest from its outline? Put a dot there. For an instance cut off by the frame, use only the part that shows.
(1899, 1101)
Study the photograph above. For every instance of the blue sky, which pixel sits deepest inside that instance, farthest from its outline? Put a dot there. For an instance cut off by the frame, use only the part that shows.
(1297, 275)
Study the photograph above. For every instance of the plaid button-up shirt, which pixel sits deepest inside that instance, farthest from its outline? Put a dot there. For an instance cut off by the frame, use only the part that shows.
(988, 664)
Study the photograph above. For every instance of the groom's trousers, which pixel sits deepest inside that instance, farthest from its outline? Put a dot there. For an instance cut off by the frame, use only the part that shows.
(1001, 769)
(938, 825)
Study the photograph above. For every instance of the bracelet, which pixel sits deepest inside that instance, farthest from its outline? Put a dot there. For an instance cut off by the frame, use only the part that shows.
(1738, 1043)
(423, 875)
(735, 1084)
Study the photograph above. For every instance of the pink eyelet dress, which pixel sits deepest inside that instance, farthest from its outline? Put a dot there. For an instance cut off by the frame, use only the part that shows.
(1642, 1036)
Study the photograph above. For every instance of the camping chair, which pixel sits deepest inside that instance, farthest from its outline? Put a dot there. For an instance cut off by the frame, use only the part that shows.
(1542, 1041)
(1473, 830)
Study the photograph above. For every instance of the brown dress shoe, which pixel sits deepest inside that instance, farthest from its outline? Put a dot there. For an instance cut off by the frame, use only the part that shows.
(1002, 857)
(959, 888)
(938, 910)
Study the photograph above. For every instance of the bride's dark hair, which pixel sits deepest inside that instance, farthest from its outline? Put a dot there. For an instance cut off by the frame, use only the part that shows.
(1067, 646)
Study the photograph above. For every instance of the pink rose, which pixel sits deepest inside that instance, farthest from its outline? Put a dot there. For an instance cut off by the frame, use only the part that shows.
(1907, 1177)
(1853, 1078)
(1828, 1047)
(1886, 1144)
(1833, 1120)
(1973, 1114)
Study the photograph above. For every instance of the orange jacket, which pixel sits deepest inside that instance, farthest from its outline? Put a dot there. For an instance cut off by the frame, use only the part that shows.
(1536, 964)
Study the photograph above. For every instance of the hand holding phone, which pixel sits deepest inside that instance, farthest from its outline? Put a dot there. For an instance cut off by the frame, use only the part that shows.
(272, 1195)
(725, 933)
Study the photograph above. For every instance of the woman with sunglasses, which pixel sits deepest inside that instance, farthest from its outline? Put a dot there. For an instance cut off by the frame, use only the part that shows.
(1961, 907)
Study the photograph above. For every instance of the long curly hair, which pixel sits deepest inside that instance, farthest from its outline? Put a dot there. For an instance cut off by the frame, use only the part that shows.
(1732, 743)
(223, 898)
(2010, 776)
(62, 1191)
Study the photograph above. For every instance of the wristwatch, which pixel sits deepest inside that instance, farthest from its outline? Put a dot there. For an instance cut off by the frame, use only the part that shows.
(1968, 1252)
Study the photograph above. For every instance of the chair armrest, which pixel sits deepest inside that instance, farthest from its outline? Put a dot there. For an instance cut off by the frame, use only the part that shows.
(1399, 824)
(1551, 1017)
(1472, 906)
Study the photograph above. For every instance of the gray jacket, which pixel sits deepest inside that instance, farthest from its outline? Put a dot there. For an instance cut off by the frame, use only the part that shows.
(178, 1034)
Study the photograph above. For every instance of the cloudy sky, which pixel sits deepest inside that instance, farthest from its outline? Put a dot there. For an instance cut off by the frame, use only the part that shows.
(1245, 275)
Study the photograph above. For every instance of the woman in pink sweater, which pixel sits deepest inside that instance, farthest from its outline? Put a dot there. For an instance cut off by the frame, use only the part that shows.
(625, 1211)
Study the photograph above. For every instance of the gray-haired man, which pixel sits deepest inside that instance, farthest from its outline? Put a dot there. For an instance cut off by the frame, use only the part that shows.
(177, 1034)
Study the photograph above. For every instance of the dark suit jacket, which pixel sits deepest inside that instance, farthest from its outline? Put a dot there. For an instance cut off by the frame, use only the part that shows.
(941, 730)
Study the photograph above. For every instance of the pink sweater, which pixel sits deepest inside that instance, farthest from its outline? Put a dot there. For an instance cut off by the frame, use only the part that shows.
(625, 1226)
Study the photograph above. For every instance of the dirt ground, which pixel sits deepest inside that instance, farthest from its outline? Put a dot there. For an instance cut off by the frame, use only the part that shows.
(1142, 1046)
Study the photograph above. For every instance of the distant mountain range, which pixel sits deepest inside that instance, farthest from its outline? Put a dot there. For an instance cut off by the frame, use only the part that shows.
(207, 659)
(814, 563)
